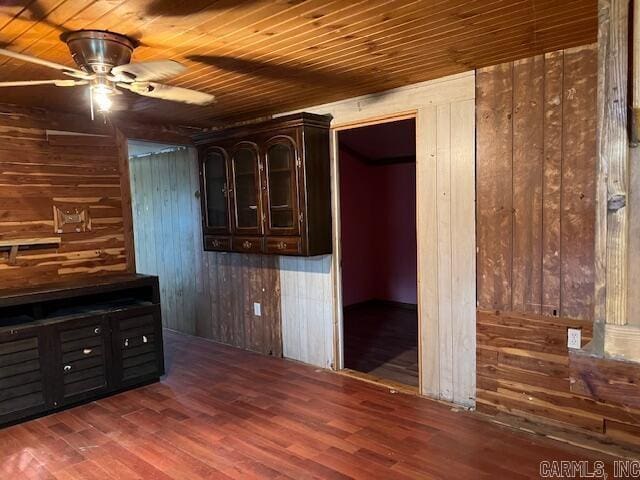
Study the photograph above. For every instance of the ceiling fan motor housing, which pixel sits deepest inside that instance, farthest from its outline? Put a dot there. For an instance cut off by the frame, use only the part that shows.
(98, 51)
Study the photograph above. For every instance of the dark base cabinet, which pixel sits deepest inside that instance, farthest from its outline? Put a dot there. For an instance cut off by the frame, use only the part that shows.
(74, 342)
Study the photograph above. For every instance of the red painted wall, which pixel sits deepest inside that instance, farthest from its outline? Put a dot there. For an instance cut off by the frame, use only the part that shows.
(378, 221)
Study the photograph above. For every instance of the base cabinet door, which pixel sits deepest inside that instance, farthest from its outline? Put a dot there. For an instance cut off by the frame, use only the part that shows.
(84, 358)
(137, 346)
(22, 374)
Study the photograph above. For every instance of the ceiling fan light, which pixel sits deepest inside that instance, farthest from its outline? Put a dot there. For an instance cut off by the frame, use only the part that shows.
(103, 101)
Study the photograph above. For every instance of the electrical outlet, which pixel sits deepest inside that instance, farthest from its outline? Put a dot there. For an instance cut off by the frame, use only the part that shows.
(574, 337)
(257, 309)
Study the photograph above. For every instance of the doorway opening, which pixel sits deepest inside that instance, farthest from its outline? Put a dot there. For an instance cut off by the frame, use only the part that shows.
(377, 172)
(167, 228)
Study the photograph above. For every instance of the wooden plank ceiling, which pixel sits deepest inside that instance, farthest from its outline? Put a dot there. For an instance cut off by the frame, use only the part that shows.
(263, 57)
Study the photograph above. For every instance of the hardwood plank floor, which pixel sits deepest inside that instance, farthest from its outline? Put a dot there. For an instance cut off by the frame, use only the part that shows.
(226, 413)
(381, 339)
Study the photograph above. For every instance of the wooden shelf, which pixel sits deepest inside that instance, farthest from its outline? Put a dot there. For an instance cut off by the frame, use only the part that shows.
(14, 245)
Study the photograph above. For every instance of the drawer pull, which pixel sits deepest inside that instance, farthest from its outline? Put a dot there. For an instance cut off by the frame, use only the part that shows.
(126, 342)
(145, 339)
(246, 244)
(97, 331)
(87, 351)
(216, 243)
(67, 368)
(281, 245)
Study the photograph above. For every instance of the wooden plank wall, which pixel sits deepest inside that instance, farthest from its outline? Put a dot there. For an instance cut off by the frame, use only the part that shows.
(38, 170)
(203, 293)
(234, 282)
(536, 157)
(307, 310)
(536, 171)
(525, 372)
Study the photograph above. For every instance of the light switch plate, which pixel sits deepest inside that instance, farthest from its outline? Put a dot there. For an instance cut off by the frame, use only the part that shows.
(257, 309)
(574, 337)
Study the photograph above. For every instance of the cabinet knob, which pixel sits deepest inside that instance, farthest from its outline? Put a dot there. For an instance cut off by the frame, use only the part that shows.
(126, 342)
(145, 339)
(97, 330)
(216, 243)
(282, 245)
(246, 244)
(67, 368)
(87, 351)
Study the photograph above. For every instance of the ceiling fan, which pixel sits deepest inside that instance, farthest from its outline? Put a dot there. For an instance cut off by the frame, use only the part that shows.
(104, 61)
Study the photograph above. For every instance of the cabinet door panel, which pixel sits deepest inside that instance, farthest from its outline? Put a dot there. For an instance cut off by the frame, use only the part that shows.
(84, 358)
(216, 190)
(22, 379)
(281, 186)
(247, 200)
(137, 343)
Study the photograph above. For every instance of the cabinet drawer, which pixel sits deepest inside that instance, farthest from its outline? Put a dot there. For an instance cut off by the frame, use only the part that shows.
(247, 244)
(284, 245)
(217, 243)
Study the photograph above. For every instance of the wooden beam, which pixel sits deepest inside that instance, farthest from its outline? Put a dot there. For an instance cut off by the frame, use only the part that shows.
(125, 193)
(172, 134)
(604, 379)
(27, 117)
(612, 174)
(622, 342)
(31, 117)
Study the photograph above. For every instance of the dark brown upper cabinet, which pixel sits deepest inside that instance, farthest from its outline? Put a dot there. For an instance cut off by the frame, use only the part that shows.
(216, 191)
(267, 187)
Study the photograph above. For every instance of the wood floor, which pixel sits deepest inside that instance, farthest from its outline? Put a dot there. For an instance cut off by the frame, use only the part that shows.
(381, 339)
(226, 413)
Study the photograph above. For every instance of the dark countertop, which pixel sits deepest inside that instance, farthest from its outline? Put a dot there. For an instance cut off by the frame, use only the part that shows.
(70, 288)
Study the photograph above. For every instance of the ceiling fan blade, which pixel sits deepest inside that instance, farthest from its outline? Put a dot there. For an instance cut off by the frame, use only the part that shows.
(73, 72)
(147, 71)
(57, 83)
(167, 92)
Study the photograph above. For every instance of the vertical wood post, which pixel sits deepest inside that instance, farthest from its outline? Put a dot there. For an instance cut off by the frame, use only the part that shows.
(613, 158)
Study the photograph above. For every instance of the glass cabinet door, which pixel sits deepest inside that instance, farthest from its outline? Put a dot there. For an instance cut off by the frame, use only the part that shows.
(281, 186)
(246, 179)
(216, 191)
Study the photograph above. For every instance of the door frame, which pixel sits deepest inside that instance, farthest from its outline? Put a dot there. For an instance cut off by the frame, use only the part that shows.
(445, 201)
(337, 233)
